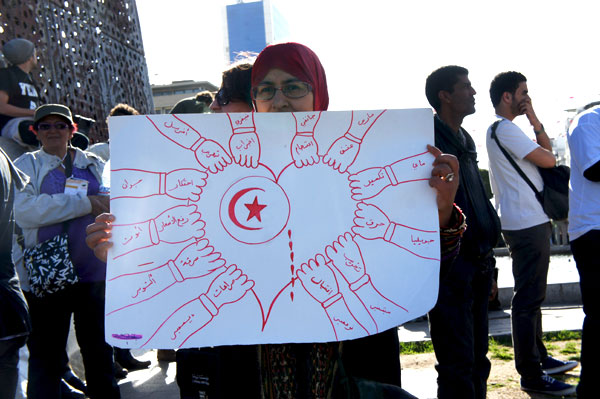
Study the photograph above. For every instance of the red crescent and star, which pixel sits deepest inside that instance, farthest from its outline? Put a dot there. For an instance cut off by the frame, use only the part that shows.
(254, 208)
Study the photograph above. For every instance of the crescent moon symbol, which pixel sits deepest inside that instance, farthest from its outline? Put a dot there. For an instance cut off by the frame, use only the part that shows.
(233, 203)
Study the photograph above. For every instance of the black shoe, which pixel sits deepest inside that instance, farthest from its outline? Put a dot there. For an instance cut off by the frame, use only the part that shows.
(126, 360)
(74, 381)
(547, 385)
(66, 392)
(551, 365)
(120, 372)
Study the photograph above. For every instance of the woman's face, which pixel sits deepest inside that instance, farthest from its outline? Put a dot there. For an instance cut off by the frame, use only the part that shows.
(280, 103)
(54, 132)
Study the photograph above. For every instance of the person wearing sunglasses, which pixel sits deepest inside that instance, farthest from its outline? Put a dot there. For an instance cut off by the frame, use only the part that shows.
(45, 208)
(234, 93)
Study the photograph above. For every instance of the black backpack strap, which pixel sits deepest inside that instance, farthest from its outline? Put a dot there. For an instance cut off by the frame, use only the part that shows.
(68, 163)
(538, 195)
(20, 237)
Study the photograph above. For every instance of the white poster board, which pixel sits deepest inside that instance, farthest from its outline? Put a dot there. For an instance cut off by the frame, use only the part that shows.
(269, 228)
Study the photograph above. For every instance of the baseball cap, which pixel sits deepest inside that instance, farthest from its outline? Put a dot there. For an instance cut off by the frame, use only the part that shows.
(52, 109)
(18, 50)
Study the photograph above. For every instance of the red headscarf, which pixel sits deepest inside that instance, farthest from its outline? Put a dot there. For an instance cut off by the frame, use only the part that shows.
(297, 60)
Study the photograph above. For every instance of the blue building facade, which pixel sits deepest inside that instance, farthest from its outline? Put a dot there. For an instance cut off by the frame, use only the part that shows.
(252, 26)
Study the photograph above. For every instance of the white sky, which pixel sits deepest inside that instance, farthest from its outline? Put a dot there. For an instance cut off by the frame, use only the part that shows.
(378, 53)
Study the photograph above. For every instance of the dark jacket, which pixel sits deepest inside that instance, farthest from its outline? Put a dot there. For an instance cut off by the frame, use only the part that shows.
(14, 317)
(483, 224)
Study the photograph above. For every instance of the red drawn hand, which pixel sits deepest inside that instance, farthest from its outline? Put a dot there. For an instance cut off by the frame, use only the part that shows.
(245, 149)
(229, 286)
(198, 260)
(212, 156)
(368, 183)
(347, 258)
(318, 279)
(370, 222)
(179, 224)
(341, 154)
(185, 184)
(305, 150)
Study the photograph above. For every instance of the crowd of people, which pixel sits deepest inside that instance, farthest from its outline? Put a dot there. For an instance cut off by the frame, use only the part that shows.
(56, 189)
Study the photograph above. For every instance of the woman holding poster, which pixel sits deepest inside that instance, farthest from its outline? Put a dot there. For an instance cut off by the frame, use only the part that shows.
(290, 78)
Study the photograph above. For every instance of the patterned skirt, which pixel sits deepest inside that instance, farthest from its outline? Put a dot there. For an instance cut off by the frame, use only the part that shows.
(298, 371)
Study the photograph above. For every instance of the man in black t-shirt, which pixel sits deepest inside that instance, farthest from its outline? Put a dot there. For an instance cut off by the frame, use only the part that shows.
(18, 94)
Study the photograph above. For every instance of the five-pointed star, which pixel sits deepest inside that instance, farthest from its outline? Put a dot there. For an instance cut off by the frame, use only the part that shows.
(255, 209)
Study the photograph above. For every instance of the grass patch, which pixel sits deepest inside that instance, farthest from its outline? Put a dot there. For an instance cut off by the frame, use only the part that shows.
(569, 349)
(413, 348)
(501, 347)
(500, 351)
(504, 340)
(496, 385)
(562, 336)
(551, 347)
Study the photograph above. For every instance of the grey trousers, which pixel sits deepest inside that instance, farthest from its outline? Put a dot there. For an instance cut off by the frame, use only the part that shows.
(530, 252)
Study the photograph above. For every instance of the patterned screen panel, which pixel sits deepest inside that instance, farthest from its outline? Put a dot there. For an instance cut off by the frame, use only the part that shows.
(90, 52)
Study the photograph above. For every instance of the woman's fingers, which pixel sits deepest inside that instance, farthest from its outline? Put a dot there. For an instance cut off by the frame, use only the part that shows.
(445, 179)
(98, 235)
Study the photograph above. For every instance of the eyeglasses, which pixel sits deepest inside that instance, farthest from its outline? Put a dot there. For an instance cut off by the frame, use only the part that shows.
(223, 98)
(293, 90)
(58, 126)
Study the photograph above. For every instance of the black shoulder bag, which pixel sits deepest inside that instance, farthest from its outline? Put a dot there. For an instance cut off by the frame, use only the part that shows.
(554, 197)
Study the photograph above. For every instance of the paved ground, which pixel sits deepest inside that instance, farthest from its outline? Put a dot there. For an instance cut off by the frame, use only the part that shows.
(158, 382)
(422, 382)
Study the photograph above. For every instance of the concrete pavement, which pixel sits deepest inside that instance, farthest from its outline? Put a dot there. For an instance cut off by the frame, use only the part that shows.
(561, 311)
(158, 382)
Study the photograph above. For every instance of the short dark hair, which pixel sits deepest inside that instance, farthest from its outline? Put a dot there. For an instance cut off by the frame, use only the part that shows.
(590, 105)
(505, 82)
(123, 109)
(237, 82)
(205, 97)
(443, 78)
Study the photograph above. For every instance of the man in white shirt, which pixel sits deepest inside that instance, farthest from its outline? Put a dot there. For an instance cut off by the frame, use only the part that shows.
(584, 231)
(525, 227)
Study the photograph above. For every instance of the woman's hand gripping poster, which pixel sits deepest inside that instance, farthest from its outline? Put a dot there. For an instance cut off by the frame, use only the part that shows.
(254, 228)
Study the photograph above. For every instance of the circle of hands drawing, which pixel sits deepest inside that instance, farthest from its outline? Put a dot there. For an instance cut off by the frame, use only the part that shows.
(229, 283)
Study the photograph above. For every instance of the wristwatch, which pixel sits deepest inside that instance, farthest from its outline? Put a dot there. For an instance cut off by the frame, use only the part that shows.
(539, 131)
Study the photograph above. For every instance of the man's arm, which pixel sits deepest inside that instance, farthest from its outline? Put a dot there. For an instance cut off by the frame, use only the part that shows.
(11, 110)
(542, 156)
